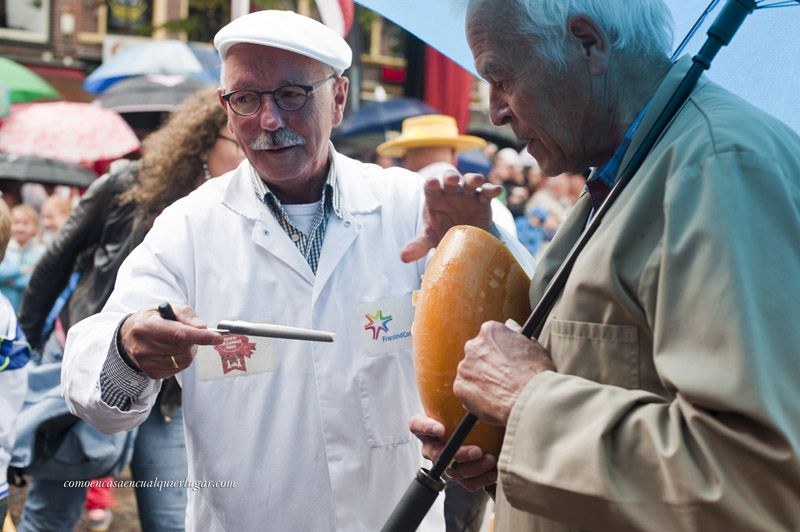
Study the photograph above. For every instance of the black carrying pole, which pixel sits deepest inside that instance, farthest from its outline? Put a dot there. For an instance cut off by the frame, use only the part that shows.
(425, 487)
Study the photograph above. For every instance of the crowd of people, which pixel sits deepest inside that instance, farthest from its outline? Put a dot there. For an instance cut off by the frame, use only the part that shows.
(628, 410)
(55, 277)
(65, 272)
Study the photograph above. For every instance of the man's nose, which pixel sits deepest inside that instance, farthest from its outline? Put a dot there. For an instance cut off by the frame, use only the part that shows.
(499, 112)
(270, 115)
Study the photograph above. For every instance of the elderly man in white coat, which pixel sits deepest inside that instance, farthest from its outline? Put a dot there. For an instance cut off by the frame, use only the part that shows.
(313, 436)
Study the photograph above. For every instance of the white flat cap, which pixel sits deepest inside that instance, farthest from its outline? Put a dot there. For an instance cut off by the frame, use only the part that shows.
(289, 31)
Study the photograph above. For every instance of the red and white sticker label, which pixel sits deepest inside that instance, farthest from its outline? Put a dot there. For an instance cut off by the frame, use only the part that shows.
(234, 352)
(237, 356)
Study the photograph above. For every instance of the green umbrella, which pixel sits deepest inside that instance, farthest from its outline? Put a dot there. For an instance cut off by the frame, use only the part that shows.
(23, 84)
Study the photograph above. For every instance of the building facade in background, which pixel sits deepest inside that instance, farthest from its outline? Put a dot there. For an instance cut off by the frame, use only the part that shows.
(64, 40)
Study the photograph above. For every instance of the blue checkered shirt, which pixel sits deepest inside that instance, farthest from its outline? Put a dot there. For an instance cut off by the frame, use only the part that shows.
(120, 385)
(309, 244)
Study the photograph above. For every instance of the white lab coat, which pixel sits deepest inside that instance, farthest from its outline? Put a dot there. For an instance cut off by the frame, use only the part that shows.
(318, 440)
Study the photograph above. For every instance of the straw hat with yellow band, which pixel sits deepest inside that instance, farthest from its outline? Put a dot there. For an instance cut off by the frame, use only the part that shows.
(429, 130)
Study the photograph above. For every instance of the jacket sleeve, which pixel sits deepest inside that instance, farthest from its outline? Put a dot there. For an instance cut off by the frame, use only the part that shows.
(721, 453)
(80, 232)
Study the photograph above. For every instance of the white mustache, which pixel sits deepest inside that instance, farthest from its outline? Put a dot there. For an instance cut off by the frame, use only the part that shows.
(281, 137)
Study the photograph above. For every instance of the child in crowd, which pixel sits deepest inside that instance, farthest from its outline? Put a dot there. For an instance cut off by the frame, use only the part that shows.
(531, 230)
(14, 355)
(55, 211)
(24, 251)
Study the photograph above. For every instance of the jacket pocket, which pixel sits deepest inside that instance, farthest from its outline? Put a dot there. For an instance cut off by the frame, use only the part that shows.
(603, 353)
(388, 399)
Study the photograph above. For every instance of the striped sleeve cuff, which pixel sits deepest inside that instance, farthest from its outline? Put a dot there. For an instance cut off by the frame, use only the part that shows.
(120, 384)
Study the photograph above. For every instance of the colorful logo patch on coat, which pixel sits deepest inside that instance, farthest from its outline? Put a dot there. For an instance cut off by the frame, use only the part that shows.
(233, 351)
(377, 324)
(386, 324)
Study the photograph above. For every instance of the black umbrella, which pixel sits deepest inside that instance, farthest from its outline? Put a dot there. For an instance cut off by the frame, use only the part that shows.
(34, 169)
(380, 117)
(152, 93)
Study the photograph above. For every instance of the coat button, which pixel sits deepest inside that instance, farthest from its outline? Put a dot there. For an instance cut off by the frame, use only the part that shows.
(347, 223)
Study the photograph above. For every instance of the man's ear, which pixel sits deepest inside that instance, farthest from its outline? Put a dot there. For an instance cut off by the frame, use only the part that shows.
(224, 105)
(339, 98)
(593, 42)
(220, 92)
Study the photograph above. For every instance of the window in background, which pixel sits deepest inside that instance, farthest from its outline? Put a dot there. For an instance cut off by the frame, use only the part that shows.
(25, 20)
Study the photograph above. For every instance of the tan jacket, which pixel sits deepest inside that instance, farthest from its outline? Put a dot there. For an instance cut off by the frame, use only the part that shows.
(676, 405)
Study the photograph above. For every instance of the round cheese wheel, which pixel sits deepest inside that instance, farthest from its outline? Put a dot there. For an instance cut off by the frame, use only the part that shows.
(471, 278)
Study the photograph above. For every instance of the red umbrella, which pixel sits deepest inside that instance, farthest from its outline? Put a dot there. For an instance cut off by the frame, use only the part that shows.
(75, 132)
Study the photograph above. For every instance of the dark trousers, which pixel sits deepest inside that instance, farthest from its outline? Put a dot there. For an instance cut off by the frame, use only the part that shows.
(463, 509)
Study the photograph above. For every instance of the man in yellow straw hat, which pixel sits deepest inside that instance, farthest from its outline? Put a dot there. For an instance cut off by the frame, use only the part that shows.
(428, 145)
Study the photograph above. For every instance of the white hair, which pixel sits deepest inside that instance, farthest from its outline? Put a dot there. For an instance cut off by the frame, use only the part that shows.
(643, 27)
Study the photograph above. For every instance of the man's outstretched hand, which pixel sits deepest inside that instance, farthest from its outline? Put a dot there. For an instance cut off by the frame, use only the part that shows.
(451, 201)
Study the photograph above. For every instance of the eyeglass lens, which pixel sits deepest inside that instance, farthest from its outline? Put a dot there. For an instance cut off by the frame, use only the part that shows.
(288, 98)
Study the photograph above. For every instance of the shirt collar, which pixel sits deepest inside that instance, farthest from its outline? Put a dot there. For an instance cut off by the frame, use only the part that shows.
(329, 190)
(607, 174)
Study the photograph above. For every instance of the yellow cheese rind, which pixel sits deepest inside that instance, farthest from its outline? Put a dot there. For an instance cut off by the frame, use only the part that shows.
(471, 278)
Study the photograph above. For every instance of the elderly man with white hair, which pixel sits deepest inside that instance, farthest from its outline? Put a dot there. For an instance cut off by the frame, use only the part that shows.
(662, 392)
(313, 436)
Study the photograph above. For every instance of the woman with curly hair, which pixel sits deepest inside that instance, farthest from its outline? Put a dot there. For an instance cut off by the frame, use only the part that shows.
(194, 145)
(110, 220)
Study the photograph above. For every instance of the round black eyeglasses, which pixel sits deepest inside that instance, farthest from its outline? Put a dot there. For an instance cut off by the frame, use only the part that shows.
(287, 97)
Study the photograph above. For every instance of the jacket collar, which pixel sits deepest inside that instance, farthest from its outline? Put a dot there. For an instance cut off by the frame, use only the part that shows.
(657, 104)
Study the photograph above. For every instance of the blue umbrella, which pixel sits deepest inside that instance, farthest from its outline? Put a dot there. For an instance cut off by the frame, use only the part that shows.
(380, 117)
(439, 24)
(760, 64)
(168, 57)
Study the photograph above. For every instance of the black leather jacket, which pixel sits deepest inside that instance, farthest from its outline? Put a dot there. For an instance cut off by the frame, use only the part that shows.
(96, 238)
(94, 241)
